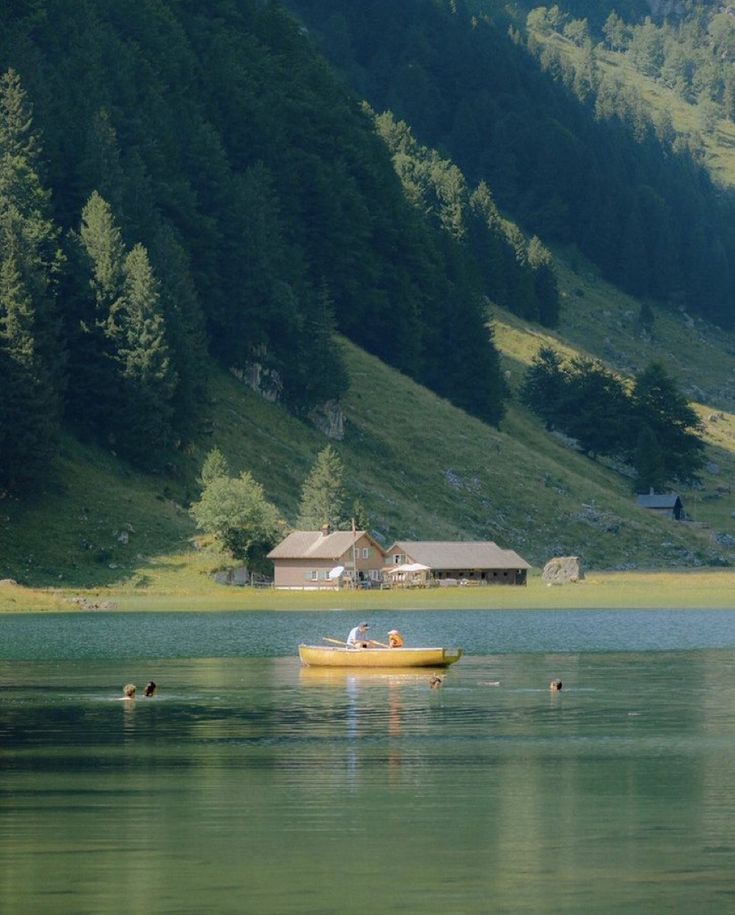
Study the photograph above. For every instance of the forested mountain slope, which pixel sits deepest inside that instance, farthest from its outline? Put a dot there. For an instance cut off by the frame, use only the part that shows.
(179, 180)
(674, 73)
(460, 75)
(191, 200)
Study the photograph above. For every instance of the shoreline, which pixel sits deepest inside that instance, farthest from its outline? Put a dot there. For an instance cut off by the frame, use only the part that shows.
(649, 590)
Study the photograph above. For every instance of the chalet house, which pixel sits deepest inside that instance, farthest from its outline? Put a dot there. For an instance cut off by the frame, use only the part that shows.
(327, 559)
(483, 562)
(668, 505)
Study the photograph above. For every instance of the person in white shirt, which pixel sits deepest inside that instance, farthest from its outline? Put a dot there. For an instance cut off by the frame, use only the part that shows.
(356, 638)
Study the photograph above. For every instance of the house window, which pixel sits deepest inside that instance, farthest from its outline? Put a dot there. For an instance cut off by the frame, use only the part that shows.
(398, 558)
(365, 553)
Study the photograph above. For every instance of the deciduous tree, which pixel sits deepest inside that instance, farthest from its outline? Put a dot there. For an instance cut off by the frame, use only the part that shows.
(236, 512)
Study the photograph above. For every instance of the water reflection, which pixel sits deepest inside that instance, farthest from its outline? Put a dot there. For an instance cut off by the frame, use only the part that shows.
(378, 704)
(248, 784)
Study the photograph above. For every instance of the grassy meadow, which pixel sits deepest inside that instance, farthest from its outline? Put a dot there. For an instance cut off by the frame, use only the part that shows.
(179, 590)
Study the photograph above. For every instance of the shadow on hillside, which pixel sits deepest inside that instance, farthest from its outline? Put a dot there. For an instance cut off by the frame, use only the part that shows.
(93, 576)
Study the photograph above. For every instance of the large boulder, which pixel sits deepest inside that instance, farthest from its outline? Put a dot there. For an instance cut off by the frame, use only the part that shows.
(562, 569)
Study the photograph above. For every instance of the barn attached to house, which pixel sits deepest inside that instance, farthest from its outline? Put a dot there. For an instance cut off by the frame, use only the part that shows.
(476, 562)
(327, 559)
(668, 505)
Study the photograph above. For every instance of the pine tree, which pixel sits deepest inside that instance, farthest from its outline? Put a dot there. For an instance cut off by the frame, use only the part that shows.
(659, 406)
(29, 409)
(128, 383)
(324, 376)
(360, 515)
(102, 240)
(31, 354)
(596, 409)
(615, 32)
(544, 386)
(544, 282)
(17, 137)
(100, 165)
(323, 493)
(185, 326)
(648, 461)
(143, 423)
(98, 259)
(215, 465)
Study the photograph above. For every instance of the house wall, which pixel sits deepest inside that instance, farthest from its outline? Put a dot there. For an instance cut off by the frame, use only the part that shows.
(297, 573)
(484, 576)
(300, 573)
(673, 514)
(368, 557)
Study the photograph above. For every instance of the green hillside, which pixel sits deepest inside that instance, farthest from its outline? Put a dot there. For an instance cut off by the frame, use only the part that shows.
(422, 467)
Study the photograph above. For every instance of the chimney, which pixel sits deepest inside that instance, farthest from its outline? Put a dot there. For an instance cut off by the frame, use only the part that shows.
(326, 529)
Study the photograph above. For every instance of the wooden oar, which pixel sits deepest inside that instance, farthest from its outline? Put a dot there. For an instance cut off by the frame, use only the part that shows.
(345, 645)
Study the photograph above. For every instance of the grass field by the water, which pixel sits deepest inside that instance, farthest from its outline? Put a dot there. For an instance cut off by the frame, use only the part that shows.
(605, 590)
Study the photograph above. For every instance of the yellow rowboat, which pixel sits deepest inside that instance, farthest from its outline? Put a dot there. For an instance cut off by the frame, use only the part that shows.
(322, 656)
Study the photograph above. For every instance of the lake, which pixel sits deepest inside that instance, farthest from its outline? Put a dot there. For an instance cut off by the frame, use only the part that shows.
(251, 785)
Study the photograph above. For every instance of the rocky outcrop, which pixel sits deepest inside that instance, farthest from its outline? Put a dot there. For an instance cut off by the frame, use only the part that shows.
(262, 379)
(562, 569)
(329, 419)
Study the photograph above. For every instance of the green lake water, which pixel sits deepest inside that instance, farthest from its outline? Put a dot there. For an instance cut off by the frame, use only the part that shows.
(252, 785)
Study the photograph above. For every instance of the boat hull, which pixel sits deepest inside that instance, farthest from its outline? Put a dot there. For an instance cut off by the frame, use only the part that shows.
(320, 656)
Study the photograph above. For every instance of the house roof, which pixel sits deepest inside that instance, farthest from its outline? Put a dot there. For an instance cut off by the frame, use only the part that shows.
(458, 554)
(658, 500)
(316, 545)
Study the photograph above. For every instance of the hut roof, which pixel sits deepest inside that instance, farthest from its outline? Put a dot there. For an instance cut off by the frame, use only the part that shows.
(317, 545)
(658, 500)
(459, 554)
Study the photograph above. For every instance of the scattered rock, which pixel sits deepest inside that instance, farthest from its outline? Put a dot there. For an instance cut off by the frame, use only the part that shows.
(725, 539)
(454, 480)
(8, 583)
(85, 603)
